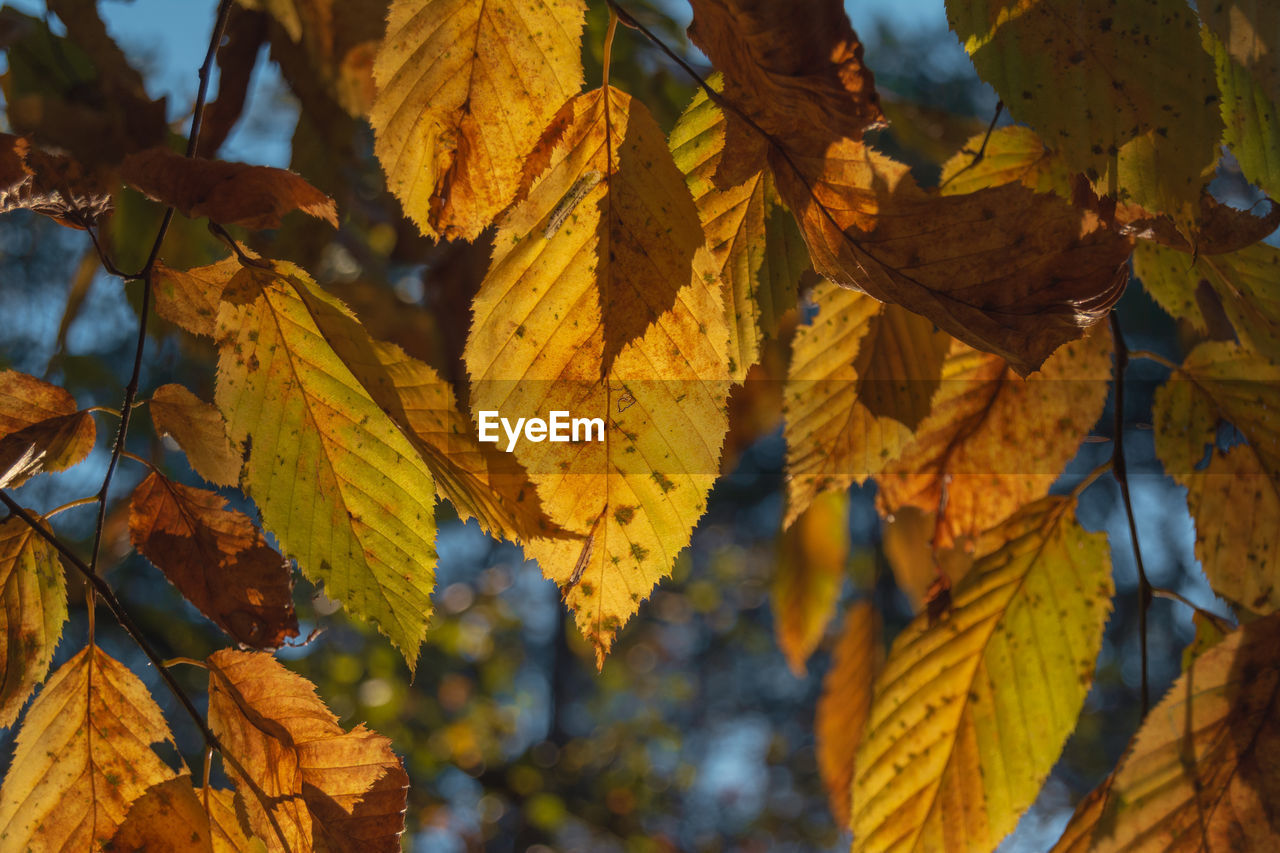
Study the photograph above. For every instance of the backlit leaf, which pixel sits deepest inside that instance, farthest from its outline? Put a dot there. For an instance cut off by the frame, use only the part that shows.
(50, 445)
(907, 539)
(216, 558)
(1201, 772)
(199, 430)
(48, 183)
(465, 88)
(325, 787)
(33, 608)
(753, 240)
(335, 479)
(255, 197)
(1092, 80)
(995, 441)
(596, 305)
(1014, 154)
(1243, 37)
(83, 757)
(190, 298)
(845, 702)
(168, 818)
(25, 400)
(972, 710)
(812, 555)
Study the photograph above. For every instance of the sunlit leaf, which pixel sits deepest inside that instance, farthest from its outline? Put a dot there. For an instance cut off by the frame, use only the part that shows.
(972, 710)
(812, 555)
(324, 787)
(190, 298)
(255, 197)
(845, 702)
(335, 479)
(83, 756)
(51, 445)
(216, 558)
(33, 608)
(465, 88)
(1201, 772)
(995, 441)
(907, 539)
(199, 430)
(1014, 154)
(168, 818)
(752, 238)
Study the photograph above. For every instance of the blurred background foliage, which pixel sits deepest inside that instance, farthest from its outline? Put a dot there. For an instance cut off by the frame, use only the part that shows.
(697, 735)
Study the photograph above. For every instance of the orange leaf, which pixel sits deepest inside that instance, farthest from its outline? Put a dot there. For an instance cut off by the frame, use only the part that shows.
(25, 400)
(994, 441)
(190, 298)
(200, 431)
(845, 703)
(256, 197)
(811, 566)
(216, 558)
(52, 445)
(324, 787)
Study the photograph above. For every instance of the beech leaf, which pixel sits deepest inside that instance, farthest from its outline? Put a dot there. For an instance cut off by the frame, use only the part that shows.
(465, 88)
(325, 787)
(255, 197)
(83, 757)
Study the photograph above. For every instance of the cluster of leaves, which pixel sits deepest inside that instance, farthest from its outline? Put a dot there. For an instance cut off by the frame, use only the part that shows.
(643, 278)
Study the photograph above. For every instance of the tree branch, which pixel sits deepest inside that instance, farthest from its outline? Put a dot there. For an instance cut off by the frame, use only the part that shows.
(1121, 472)
(131, 390)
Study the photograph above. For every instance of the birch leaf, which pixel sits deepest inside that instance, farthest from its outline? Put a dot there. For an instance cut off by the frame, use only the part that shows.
(33, 609)
(465, 88)
(325, 787)
(199, 430)
(995, 441)
(83, 757)
(971, 712)
(335, 479)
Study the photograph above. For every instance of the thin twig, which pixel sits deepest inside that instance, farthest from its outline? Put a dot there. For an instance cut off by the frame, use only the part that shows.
(131, 390)
(1121, 472)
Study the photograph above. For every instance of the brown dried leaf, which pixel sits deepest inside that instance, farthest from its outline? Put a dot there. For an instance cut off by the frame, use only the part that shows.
(325, 787)
(52, 184)
(50, 445)
(33, 608)
(200, 431)
(216, 558)
(83, 756)
(25, 400)
(256, 197)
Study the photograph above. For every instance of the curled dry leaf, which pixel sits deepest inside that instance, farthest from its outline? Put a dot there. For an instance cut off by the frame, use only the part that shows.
(52, 184)
(305, 782)
(995, 441)
(199, 430)
(55, 444)
(971, 710)
(83, 757)
(33, 608)
(1201, 772)
(845, 703)
(255, 197)
(465, 88)
(216, 558)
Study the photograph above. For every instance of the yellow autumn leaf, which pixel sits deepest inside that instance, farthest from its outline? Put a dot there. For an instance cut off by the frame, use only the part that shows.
(1087, 76)
(833, 440)
(601, 302)
(812, 555)
(33, 608)
(1235, 498)
(337, 482)
(83, 757)
(907, 539)
(1243, 37)
(1242, 283)
(995, 441)
(971, 712)
(40, 429)
(199, 430)
(1014, 154)
(754, 241)
(1201, 772)
(168, 818)
(189, 298)
(305, 781)
(465, 88)
(845, 703)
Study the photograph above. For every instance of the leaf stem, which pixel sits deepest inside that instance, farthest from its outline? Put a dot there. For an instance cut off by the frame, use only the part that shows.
(70, 505)
(1121, 472)
(1153, 356)
(1219, 622)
